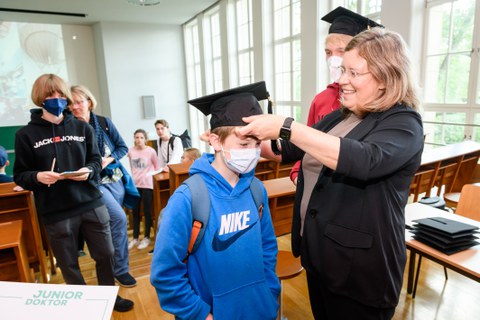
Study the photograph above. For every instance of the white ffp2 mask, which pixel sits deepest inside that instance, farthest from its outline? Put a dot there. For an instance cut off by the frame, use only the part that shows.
(242, 160)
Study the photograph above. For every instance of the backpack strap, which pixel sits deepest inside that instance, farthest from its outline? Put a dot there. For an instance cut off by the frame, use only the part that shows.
(257, 193)
(170, 145)
(200, 211)
(155, 145)
(102, 121)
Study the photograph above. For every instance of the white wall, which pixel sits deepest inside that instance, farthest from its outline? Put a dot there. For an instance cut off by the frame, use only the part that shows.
(138, 60)
(80, 57)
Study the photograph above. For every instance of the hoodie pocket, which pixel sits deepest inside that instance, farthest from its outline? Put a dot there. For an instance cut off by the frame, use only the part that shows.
(254, 301)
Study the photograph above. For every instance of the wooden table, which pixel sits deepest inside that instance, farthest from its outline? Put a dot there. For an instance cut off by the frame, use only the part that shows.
(466, 262)
(434, 155)
(21, 206)
(281, 197)
(178, 174)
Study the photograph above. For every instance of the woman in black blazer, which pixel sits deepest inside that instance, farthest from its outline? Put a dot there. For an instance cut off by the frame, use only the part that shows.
(357, 165)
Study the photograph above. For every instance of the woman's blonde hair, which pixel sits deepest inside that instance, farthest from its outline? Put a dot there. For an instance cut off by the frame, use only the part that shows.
(46, 85)
(389, 63)
(86, 94)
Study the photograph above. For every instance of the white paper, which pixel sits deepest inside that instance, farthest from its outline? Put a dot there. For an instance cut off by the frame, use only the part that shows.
(152, 173)
(19, 300)
(68, 174)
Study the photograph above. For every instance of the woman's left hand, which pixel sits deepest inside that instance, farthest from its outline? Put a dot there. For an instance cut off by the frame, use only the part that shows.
(106, 161)
(263, 127)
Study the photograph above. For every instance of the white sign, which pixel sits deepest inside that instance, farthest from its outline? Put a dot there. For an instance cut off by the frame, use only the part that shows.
(19, 300)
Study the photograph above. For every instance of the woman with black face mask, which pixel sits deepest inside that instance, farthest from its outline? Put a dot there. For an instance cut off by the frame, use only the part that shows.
(52, 143)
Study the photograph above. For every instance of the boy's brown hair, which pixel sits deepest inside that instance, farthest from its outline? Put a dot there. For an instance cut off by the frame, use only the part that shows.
(46, 85)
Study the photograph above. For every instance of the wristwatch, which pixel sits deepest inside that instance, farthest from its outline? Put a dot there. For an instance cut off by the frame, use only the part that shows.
(285, 131)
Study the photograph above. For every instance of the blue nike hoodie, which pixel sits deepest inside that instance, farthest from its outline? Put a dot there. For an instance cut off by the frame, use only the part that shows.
(232, 273)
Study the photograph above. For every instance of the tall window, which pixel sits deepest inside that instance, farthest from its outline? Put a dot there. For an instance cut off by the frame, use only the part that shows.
(369, 8)
(194, 76)
(451, 72)
(242, 45)
(213, 51)
(287, 57)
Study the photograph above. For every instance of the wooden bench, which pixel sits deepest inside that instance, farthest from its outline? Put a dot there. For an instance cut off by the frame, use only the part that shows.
(269, 169)
(20, 205)
(11, 237)
(448, 168)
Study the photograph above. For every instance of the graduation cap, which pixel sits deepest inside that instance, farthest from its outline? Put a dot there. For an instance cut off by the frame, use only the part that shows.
(230, 106)
(347, 22)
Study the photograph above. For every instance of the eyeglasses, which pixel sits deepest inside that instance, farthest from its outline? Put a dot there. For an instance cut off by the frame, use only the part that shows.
(77, 103)
(351, 73)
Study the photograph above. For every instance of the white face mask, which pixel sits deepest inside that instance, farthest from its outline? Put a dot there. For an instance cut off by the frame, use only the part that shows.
(242, 160)
(334, 63)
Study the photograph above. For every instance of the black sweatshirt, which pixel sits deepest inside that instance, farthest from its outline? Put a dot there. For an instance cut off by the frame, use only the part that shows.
(72, 142)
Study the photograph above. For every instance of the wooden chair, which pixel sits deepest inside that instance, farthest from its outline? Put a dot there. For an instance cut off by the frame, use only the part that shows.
(287, 267)
(464, 176)
(423, 181)
(469, 202)
(447, 175)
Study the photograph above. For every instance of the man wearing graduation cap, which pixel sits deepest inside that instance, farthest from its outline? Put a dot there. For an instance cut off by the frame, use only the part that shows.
(231, 275)
(345, 24)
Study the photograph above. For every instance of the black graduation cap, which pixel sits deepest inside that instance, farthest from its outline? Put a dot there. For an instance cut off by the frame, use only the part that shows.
(347, 22)
(230, 106)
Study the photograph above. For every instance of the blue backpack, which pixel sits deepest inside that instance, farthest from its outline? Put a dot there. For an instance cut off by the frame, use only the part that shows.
(201, 207)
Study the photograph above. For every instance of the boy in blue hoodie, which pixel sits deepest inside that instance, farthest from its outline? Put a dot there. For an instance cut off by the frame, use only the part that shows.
(232, 273)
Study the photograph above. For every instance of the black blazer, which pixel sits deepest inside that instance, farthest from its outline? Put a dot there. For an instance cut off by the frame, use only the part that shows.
(354, 230)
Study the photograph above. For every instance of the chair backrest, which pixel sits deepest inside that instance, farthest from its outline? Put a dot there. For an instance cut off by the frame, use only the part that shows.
(423, 181)
(469, 202)
(447, 175)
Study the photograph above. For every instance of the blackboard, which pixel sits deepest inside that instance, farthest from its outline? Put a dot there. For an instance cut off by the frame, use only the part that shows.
(7, 140)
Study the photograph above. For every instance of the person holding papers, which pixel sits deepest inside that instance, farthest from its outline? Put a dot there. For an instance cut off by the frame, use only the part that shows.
(51, 143)
(143, 161)
(116, 184)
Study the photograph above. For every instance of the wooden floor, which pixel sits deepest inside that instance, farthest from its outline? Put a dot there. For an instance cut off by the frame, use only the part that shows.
(437, 299)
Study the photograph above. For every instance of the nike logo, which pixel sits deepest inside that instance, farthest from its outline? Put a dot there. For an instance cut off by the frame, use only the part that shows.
(221, 245)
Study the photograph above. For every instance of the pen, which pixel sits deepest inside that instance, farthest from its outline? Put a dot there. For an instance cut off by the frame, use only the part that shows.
(53, 166)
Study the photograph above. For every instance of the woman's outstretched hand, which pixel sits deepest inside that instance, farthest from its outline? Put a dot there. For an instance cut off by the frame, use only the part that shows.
(263, 127)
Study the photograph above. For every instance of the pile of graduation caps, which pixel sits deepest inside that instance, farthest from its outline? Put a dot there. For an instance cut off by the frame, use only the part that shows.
(445, 235)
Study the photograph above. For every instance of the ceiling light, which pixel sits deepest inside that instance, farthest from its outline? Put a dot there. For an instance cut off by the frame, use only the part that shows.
(144, 3)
